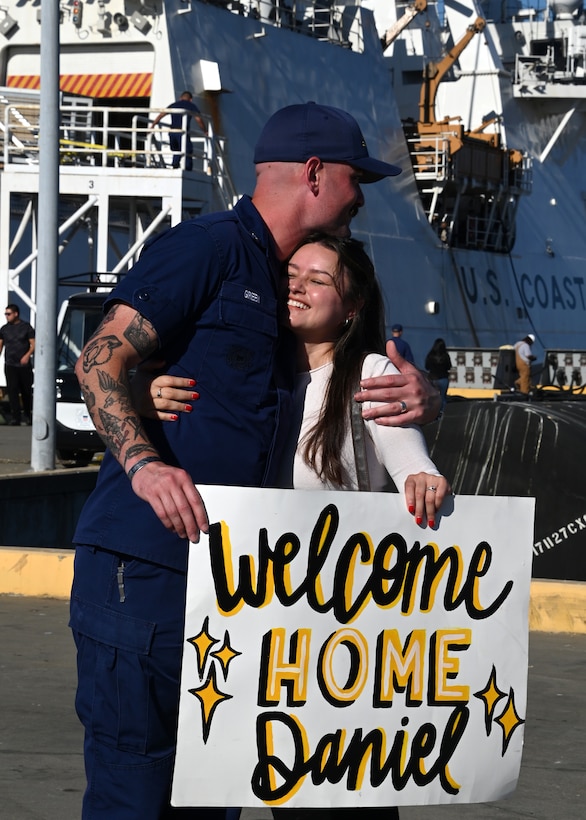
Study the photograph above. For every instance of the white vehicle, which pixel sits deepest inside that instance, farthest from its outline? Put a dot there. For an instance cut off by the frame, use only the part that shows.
(76, 438)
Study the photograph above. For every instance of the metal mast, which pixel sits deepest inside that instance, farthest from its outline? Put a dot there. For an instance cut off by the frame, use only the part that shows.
(43, 439)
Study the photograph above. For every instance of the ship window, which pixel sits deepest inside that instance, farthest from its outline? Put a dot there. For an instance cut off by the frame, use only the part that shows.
(412, 77)
(540, 48)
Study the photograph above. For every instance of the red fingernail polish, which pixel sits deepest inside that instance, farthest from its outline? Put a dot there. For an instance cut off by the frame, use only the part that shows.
(418, 520)
(411, 508)
(192, 382)
(431, 522)
(188, 408)
(195, 396)
(173, 417)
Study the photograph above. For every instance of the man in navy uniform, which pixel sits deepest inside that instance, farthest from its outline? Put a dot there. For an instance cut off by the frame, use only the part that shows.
(403, 347)
(204, 297)
(180, 127)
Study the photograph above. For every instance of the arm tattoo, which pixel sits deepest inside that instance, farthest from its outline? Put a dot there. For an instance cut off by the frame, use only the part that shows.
(107, 394)
(114, 435)
(117, 390)
(98, 351)
(143, 449)
(140, 335)
(109, 317)
(89, 397)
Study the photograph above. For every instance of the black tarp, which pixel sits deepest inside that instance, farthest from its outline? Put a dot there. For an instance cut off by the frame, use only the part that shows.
(523, 449)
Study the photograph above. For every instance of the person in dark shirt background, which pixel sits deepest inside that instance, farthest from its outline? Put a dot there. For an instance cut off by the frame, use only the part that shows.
(184, 105)
(438, 364)
(17, 338)
(403, 347)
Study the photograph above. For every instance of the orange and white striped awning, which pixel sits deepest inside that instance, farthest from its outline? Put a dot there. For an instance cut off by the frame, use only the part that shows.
(92, 85)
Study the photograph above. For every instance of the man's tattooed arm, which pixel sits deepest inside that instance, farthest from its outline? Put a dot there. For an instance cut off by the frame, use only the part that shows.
(123, 339)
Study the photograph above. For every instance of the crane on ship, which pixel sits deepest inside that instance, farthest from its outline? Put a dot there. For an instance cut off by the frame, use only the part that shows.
(409, 14)
(468, 181)
(434, 73)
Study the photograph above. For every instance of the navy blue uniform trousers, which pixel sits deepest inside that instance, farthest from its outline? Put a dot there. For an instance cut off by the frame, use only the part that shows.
(127, 619)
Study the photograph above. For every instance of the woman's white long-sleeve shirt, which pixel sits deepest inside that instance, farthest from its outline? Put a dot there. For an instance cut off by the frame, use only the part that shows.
(394, 451)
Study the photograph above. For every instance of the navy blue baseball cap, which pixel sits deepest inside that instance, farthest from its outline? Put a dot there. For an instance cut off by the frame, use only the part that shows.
(298, 132)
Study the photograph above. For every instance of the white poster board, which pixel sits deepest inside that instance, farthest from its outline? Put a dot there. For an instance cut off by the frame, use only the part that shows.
(338, 654)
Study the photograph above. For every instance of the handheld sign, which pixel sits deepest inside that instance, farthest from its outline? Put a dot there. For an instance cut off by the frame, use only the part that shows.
(336, 654)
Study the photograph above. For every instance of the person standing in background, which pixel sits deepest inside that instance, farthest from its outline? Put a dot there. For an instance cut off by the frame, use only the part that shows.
(180, 128)
(523, 359)
(18, 337)
(403, 347)
(438, 364)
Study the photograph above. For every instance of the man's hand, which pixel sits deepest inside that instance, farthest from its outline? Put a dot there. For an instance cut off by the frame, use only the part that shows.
(174, 498)
(411, 389)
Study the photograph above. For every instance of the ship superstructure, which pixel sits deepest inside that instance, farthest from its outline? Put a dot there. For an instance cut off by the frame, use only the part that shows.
(477, 246)
(517, 216)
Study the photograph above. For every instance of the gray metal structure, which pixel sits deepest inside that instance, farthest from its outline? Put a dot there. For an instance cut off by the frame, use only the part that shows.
(43, 440)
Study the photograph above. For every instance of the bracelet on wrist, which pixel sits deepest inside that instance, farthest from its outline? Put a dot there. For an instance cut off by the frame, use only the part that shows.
(140, 464)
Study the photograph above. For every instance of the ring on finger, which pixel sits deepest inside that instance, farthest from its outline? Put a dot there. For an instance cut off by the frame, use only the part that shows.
(403, 407)
(432, 489)
(159, 393)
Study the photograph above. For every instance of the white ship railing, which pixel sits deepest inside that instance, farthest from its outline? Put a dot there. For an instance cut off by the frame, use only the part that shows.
(521, 179)
(114, 138)
(430, 157)
(431, 161)
(322, 19)
(540, 71)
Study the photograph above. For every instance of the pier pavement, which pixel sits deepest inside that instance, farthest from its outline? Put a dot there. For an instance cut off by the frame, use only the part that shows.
(41, 766)
(15, 451)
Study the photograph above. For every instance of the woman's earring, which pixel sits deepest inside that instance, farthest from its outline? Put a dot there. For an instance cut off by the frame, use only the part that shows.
(348, 322)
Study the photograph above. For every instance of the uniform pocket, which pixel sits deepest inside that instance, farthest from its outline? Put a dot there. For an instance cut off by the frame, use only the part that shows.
(244, 344)
(118, 699)
(248, 308)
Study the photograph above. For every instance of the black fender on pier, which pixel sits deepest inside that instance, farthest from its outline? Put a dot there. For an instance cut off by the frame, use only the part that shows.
(523, 448)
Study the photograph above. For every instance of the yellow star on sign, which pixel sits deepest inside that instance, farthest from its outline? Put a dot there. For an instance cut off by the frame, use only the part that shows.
(202, 644)
(509, 720)
(490, 695)
(225, 654)
(209, 697)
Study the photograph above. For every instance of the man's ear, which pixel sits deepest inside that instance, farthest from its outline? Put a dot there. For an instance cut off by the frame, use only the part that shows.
(313, 167)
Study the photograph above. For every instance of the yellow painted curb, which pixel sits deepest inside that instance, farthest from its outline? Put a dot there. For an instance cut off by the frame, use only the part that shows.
(558, 606)
(555, 606)
(36, 572)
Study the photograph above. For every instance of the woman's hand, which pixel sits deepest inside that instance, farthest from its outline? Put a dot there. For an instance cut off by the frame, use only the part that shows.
(424, 495)
(161, 397)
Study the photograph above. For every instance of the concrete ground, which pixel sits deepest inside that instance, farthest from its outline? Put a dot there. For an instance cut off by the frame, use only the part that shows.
(15, 451)
(15, 448)
(41, 767)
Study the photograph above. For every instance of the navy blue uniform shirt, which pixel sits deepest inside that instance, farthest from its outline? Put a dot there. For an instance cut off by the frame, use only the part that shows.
(210, 288)
(186, 106)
